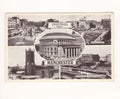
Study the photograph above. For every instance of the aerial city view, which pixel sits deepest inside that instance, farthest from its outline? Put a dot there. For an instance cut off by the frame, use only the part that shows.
(59, 46)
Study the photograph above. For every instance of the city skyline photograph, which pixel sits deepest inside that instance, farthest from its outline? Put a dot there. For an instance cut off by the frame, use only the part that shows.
(61, 17)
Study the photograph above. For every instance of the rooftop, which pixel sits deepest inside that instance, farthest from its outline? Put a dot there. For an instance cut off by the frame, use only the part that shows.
(58, 35)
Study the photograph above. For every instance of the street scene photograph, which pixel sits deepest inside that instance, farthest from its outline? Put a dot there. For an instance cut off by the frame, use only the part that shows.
(23, 29)
(59, 46)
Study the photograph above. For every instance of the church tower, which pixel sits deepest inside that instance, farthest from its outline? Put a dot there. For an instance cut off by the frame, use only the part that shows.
(30, 64)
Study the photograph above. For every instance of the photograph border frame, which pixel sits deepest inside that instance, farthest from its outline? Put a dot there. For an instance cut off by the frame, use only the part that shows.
(50, 80)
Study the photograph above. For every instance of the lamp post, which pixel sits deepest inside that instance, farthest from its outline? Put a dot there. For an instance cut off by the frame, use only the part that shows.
(59, 71)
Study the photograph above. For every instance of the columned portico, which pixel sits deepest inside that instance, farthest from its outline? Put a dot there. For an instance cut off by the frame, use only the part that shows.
(72, 52)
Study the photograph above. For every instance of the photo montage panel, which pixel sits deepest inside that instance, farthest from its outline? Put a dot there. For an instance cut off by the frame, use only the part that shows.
(59, 46)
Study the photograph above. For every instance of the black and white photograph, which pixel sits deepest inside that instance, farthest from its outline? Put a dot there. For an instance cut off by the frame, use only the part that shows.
(59, 46)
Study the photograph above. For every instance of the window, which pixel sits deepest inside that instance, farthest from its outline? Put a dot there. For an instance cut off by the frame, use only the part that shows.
(51, 50)
(55, 50)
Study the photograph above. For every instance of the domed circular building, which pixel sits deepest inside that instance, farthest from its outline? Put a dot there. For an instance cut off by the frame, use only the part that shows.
(60, 44)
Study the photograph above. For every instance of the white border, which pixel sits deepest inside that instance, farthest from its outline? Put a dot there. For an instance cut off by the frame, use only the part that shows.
(59, 13)
(71, 90)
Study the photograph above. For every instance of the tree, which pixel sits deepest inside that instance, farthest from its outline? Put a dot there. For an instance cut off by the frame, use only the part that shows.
(92, 25)
(107, 37)
(14, 70)
(52, 20)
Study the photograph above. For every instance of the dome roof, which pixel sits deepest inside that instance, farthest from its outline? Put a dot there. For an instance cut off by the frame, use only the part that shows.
(58, 35)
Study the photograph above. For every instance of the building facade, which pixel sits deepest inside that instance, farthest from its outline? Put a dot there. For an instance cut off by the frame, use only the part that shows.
(61, 45)
(106, 23)
(83, 25)
(13, 23)
(90, 58)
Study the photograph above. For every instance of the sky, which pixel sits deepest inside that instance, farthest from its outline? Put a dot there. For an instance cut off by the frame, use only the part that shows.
(61, 17)
(16, 54)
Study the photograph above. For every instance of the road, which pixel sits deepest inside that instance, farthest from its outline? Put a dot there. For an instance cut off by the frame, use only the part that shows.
(19, 40)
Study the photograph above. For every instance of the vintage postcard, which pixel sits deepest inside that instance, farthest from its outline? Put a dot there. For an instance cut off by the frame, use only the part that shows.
(59, 46)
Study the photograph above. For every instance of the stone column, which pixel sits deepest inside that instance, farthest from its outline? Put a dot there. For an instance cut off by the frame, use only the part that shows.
(68, 52)
(77, 52)
(65, 52)
(71, 52)
(74, 52)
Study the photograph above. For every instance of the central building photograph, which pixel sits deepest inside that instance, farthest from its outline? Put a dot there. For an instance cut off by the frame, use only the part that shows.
(60, 45)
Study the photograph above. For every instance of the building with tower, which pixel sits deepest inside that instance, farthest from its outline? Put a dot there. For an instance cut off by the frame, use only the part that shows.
(30, 63)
